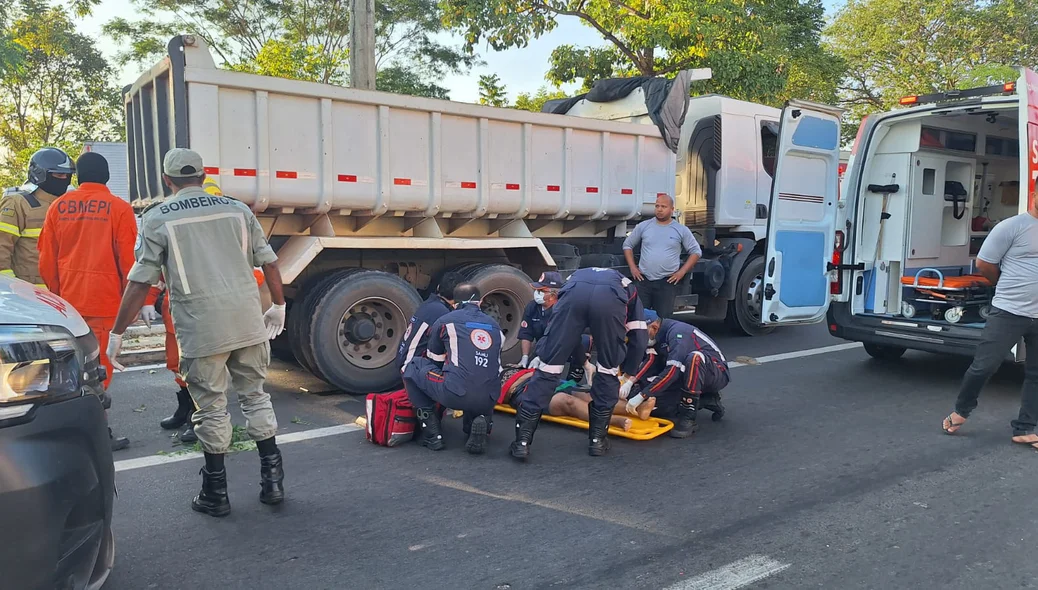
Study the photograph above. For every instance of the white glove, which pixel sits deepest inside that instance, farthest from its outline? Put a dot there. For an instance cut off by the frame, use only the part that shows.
(525, 361)
(589, 372)
(115, 346)
(274, 320)
(149, 315)
(625, 387)
(536, 362)
(633, 403)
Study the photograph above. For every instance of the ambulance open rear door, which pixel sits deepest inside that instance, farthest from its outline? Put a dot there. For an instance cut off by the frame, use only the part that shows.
(802, 216)
(1027, 90)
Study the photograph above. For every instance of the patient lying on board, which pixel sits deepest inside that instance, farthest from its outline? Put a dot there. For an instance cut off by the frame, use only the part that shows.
(575, 402)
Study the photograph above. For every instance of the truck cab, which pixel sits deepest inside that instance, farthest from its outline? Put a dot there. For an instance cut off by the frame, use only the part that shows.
(924, 186)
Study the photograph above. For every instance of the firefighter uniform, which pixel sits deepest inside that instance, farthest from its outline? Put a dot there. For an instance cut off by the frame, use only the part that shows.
(416, 338)
(22, 214)
(606, 302)
(689, 367)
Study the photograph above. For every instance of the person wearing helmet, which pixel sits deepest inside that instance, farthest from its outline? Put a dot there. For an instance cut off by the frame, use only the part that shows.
(23, 209)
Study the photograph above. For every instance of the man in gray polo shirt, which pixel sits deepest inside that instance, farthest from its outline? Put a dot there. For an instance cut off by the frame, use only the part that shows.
(1009, 259)
(206, 248)
(659, 269)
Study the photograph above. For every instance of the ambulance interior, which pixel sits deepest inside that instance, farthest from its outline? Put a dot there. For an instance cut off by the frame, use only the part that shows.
(957, 175)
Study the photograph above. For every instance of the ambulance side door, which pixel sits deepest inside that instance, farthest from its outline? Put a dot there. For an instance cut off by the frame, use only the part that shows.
(802, 216)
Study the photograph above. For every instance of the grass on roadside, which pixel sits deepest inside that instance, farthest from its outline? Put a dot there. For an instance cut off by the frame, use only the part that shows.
(240, 441)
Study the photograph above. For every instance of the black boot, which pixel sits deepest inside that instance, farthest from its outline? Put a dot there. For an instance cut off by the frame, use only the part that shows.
(430, 423)
(598, 430)
(184, 408)
(686, 425)
(477, 431)
(576, 374)
(713, 403)
(119, 443)
(271, 477)
(525, 425)
(212, 500)
(188, 436)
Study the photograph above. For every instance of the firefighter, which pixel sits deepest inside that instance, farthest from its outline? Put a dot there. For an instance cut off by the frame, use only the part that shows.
(690, 371)
(206, 247)
(438, 304)
(535, 321)
(460, 370)
(72, 264)
(23, 209)
(607, 302)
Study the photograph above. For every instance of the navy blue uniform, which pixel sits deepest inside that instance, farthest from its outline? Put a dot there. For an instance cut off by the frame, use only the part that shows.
(416, 338)
(535, 323)
(688, 364)
(462, 367)
(606, 302)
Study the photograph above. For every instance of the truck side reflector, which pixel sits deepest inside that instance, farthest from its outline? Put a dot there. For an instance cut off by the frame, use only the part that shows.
(347, 178)
(402, 181)
(468, 185)
(285, 174)
(554, 188)
(212, 170)
(627, 191)
(592, 189)
(511, 187)
(245, 172)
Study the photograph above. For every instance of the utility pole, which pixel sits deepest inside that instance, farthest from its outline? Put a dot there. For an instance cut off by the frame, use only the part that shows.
(362, 44)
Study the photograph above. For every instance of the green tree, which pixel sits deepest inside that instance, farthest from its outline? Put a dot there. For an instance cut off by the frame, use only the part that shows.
(535, 102)
(59, 92)
(301, 39)
(761, 50)
(492, 91)
(893, 49)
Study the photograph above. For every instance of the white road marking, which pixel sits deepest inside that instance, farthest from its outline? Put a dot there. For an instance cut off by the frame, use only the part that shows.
(142, 368)
(151, 460)
(796, 354)
(737, 574)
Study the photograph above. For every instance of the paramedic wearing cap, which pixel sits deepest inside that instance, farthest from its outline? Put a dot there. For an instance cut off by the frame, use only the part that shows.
(659, 268)
(687, 369)
(86, 252)
(438, 304)
(206, 247)
(461, 370)
(1009, 259)
(535, 322)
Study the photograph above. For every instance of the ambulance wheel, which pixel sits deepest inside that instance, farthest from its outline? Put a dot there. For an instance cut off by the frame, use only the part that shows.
(365, 314)
(883, 352)
(303, 309)
(744, 311)
(506, 291)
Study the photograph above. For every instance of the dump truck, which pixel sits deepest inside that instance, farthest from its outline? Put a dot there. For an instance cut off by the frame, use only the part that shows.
(369, 197)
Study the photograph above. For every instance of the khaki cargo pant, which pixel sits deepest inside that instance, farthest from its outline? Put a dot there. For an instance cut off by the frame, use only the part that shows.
(207, 379)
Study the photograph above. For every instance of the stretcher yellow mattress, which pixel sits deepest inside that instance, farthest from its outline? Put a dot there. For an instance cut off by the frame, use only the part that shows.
(640, 429)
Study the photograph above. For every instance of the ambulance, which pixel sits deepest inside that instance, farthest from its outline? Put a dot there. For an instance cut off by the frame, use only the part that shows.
(898, 239)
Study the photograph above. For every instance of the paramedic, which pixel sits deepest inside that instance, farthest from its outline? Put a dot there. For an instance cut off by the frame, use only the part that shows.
(196, 241)
(659, 268)
(86, 251)
(23, 209)
(1009, 259)
(607, 302)
(535, 322)
(689, 369)
(438, 304)
(157, 298)
(461, 370)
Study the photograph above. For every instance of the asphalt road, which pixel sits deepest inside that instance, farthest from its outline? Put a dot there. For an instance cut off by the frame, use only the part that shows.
(830, 470)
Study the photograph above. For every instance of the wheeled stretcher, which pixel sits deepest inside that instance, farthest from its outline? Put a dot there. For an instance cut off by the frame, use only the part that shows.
(947, 298)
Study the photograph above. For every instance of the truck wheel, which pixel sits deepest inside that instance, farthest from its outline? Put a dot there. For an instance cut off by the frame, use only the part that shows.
(356, 322)
(883, 352)
(299, 321)
(744, 311)
(506, 291)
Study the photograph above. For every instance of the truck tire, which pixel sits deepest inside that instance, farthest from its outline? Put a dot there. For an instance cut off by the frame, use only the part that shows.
(313, 290)
(882, 352)
(744, 311)
(506, 291)
(356, 321)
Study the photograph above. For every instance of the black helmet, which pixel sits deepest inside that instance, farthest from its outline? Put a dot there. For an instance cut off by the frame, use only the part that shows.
(49, 160)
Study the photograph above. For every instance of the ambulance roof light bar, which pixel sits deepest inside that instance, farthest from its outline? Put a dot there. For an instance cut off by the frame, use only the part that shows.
(952, 95)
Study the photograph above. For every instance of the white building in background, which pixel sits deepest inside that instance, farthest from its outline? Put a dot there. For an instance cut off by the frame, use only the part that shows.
(118, 166)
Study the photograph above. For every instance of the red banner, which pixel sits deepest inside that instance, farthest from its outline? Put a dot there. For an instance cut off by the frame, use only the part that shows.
(1031, 80)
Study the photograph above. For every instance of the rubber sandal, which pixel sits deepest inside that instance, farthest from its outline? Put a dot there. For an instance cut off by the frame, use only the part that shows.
(1031, 443)
(952, 424)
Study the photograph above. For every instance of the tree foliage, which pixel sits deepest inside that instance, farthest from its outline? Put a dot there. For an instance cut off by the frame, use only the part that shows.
(492, 91)
(893, 48)
(761, 50)
(535, 102)
(59, 92)
(301, 39)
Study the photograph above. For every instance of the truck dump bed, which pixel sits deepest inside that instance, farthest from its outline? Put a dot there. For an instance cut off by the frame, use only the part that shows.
(288, 146)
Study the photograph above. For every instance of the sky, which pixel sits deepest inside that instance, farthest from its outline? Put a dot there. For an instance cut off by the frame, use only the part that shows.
(520, 70)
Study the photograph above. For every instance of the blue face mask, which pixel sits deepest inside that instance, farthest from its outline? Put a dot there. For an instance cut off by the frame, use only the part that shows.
(538, 297)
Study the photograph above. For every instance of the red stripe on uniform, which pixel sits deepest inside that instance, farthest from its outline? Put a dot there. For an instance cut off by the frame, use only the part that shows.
(663, 380)
(468, 185)
(212, 170)
(245, 172)
(627, 191)
(402, 181)
(645, 367)
(693, 373)
(435, 377)
(554, 188)
(347, 178)
(511, 187)
(285, 174)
